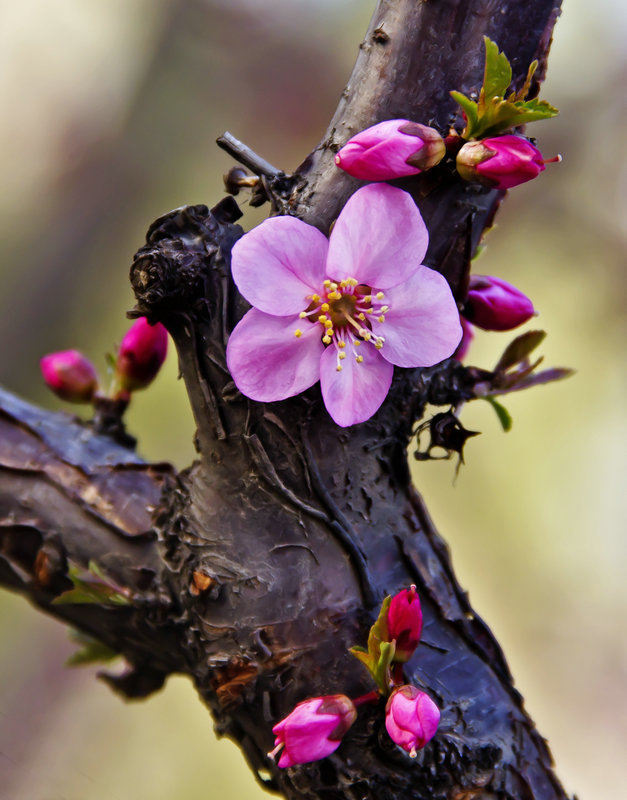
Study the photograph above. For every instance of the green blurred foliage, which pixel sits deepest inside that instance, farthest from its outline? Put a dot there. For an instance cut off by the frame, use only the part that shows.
(111, 111)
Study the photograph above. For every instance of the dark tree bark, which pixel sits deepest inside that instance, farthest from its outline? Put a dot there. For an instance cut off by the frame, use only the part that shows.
(254, 570)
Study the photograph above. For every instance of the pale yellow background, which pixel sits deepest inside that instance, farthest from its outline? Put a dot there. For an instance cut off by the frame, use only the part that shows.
(109, 112)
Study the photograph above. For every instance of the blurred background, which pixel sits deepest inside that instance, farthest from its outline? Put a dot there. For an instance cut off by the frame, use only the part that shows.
(110, 112)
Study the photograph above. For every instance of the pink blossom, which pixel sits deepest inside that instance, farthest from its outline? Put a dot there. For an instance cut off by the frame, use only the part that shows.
(405, 623)
(70, 375)
(313, 730)
(501, 162)
(141, 354)
(391, 149)
(342, 310)
(495, 305)
(411, 718)
(467, 337)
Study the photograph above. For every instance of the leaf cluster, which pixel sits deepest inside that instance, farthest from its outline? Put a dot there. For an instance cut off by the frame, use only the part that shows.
(494, 113)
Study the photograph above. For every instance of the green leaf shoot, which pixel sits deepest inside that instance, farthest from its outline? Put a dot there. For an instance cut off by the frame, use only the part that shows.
(494, 113)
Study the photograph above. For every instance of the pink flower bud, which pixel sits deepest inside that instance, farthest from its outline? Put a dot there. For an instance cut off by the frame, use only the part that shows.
(405, 623)
(495, 305)
(411, 718)
(391, 149)
(70, 375)
(467, 337)
(501, 162)
(313, 730)
(141, 354)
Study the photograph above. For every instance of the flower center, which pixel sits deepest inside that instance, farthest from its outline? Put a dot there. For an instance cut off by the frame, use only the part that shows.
(344, 311)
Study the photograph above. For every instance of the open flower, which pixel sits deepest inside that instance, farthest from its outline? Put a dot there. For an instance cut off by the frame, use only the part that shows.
(313, 730)
(411, 718)
(391, 149)
(342, 310)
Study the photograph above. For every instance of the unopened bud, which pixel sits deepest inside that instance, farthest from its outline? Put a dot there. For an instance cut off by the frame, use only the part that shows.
(405, 623)
(141, 354)
(391, 149)
(495, 305)
(501, 162)
(70, 375)
(313, 730)
(411, 718)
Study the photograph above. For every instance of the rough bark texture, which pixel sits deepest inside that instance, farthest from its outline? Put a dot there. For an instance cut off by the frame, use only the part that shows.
(256, 569)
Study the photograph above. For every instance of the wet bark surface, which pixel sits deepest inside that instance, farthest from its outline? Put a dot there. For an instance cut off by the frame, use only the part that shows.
(254, 570)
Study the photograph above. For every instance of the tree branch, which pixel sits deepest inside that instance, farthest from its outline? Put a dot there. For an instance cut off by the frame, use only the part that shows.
(265, 561)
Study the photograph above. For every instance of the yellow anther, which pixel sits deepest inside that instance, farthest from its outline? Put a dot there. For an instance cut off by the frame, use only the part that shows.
(381, 318)
(338, 368)
(378, 345)
(379, 295)
(302, 314)
(341, 356)
(359, 359)
(298, 333)
(315, 298)
(367, 298)
(352, 281)
(357, 342)
(333, 286)
(361, 316)
(384, 309)
(326, 283)
(328, 323)
(334, 295)
(326, 339)
(369, 310)
(322, 318)
(365, 334)
(344, 283)
(341, 343)
(324, 307)
(330, 332)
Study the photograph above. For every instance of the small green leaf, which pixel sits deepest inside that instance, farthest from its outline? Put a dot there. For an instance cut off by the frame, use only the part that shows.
(382, 673)
(470, 109)
(502, 413)
(91, 651)
(517, 350)
(497, 73)
(92, 587)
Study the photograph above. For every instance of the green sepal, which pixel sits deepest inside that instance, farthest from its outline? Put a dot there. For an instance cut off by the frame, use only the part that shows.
(505, 418)
(91, 651)
(380, 653)
(495, 114)
(92, 587)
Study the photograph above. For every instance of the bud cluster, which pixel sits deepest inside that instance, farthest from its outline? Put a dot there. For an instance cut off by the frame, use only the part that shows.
(314, 729)
(73, 377)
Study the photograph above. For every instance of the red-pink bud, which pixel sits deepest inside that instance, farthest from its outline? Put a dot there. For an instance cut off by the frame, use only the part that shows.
(313, 730)
(467, 337)
(411, 718)
(391, 149)
(501, 162)
(495, 305)
(70, 375)
(141, 354)
(405, 623)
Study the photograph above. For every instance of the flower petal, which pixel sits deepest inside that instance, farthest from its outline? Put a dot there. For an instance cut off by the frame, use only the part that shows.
(278, 263)
(268, 362)
(354, 394)
(422, 326)
(379, 238)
